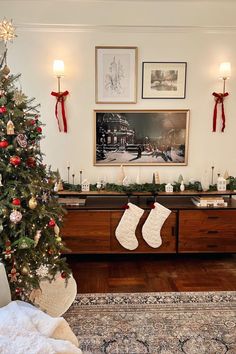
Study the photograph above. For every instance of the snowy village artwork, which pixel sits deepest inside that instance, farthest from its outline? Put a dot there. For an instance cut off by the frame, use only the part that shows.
(139, 137)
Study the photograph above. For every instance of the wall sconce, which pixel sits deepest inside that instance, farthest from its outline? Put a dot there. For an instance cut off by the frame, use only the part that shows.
(225, 73)
(58, 70)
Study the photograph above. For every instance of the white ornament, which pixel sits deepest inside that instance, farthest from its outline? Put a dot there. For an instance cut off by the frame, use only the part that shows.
(56, 230)
(42, 271)
(15, 216)
(37, 237)
(169, 188)
(55, 187)
(1, 180)
(182, 186)
(221, 184)
(85, 186)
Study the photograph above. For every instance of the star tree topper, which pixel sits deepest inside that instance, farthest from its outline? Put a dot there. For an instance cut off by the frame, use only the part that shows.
(7, 30)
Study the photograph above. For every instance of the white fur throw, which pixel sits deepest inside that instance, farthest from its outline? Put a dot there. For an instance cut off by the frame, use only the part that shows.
(26, 329)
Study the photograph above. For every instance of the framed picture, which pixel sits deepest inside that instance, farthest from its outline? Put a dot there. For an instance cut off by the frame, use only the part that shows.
(116, 74)
(141, 137)
(164, 80)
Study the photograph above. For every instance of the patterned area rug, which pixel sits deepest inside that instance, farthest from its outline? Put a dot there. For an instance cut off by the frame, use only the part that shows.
(163, 323)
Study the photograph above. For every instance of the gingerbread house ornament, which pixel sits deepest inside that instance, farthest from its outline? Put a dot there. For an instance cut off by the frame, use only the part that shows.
(85, 186)
(221, 184)
(10, 128)
(169, 188)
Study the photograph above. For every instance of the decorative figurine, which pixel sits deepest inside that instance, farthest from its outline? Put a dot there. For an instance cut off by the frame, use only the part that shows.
(169, 188)
(221, 184)
(10, 128)
(85, 186)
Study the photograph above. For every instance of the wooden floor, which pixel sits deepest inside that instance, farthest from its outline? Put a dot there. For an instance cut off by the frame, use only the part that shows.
(153, 273)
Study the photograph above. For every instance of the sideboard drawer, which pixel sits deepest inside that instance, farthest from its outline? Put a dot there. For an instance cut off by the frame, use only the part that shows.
(207, 231)
(87, 231)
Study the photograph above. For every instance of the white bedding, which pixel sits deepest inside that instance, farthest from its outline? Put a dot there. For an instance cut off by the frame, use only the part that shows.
(26, 329)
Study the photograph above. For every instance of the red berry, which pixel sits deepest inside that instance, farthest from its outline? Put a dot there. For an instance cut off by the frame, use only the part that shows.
(16, 201)
(32, 122)
(39, 129)
(63, 275)
(18, 291)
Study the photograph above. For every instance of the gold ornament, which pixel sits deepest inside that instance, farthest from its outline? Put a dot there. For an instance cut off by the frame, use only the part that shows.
(33, 203)
(7, 31)
(24, 270)
(10, 128)
(58, 239)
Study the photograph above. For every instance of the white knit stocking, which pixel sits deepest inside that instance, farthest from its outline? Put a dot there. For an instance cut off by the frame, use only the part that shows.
(125, 231)
(152, 227)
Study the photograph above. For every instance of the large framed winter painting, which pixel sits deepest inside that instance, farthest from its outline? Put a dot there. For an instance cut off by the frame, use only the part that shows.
(116, 74)
(141, 137)
(164, 80)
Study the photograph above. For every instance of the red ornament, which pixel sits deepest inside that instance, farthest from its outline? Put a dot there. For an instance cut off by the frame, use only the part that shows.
(39, 129)
(63, 275)
(31, 162)
(3, 109)
(15, 160)
(51, 223)
(4, 144)
(16, 201)
(32, 122)
(18, 291)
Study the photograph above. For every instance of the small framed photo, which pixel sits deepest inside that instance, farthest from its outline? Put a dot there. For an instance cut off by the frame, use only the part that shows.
(164, 80)
(139, 137)
(116, 74)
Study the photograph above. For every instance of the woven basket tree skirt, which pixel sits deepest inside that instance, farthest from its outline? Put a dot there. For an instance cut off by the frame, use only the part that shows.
(55, 297)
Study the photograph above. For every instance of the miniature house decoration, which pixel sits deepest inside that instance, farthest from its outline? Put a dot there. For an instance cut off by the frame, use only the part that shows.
(221, 184)
(85, 186)
(10, 128)
(169, 188)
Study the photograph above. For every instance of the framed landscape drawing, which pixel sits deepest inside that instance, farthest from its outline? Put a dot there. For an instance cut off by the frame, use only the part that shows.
(164, 80)
(116, 74)
(141, 137)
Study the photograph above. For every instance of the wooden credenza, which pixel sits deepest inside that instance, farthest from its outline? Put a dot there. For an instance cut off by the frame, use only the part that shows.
(188, 229)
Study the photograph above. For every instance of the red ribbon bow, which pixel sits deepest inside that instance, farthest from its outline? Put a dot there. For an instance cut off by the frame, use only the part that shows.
(219, 98)
(61, 99)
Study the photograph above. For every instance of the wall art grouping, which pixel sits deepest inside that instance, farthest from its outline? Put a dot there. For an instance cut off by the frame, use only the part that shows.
(141, 137)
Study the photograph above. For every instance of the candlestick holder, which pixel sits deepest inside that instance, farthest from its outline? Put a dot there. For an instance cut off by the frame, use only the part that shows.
(80, 176)
(73, 178)
(212, 175)
(68, 174)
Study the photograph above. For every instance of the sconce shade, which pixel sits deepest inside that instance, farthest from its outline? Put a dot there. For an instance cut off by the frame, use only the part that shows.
(58, 68)
(225, 70)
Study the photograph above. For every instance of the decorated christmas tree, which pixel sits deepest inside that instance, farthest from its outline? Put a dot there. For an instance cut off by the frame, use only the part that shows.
(30, 216)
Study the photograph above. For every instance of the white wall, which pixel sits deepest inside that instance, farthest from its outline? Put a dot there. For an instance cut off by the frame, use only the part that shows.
(202, 33)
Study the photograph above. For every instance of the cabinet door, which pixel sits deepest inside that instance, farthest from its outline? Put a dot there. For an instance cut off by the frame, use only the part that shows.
(168, 235)
(207, 231)
(87, 231)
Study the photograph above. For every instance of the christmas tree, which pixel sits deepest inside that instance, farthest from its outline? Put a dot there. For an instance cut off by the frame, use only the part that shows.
(30, 216)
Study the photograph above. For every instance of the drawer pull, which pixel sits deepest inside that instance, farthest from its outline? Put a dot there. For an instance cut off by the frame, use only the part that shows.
(213, 217)
(212, 232)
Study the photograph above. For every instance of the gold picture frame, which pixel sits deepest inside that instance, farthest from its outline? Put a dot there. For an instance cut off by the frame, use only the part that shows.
(116, 74)
(141, 137)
